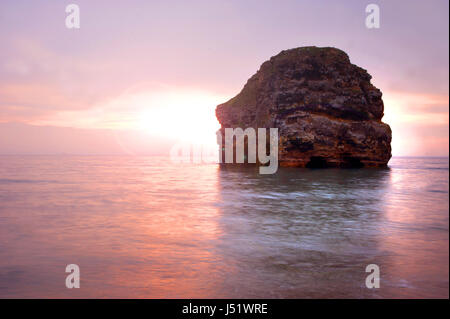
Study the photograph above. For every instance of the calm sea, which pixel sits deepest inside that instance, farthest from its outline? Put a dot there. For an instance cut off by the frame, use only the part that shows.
(144, 227)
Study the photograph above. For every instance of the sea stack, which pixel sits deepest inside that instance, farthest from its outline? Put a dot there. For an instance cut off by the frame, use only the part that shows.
(327, 111)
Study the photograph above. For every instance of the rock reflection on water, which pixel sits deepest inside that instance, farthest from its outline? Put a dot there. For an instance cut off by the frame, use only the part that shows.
(142, 227)
(312, 231)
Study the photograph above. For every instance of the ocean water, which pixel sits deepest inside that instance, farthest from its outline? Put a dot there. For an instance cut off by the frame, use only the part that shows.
(144, 227)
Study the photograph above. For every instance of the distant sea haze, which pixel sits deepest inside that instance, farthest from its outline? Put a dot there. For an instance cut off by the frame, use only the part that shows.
(27, 139)
(148, 228)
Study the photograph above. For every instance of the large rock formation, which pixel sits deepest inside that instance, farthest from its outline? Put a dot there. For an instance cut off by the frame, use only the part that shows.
(327, 112)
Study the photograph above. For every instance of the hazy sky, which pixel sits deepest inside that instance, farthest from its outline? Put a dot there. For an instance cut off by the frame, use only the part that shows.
(163, 66)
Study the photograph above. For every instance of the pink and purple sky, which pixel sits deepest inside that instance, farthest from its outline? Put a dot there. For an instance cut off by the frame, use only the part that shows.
(139, 75)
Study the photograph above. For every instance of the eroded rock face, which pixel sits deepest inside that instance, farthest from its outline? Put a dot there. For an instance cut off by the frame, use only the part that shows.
(327, 112)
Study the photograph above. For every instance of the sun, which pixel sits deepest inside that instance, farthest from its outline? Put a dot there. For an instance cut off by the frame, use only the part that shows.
(187, 116)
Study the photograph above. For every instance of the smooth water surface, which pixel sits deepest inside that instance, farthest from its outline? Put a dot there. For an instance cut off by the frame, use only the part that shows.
(145, 227)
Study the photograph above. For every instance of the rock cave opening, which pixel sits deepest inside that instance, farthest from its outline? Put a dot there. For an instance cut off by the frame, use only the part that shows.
(353, 162)
(317, 162)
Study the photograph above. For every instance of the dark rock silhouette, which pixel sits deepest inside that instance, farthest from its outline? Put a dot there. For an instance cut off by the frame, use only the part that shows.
(327, 112)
